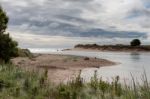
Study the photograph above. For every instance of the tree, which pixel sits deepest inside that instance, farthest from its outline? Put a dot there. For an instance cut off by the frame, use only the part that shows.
(8, 47)
(135, 42)
(3, 21)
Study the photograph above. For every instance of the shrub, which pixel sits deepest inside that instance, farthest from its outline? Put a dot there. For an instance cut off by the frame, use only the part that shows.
(8, 47)
(25, 53)
(135, 42)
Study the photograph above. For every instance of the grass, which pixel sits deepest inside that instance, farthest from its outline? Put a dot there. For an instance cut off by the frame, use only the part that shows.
(72, 58)
(16, 83)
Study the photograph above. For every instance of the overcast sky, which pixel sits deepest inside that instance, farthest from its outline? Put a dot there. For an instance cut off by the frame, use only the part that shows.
(69, 21)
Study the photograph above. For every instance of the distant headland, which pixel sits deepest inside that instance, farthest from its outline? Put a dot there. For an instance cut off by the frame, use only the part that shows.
(117, 47)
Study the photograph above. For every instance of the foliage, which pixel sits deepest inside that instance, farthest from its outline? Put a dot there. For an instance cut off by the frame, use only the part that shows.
(16, 83)
(8, 47)
(25, 53)
(135, 42)
(3, 21)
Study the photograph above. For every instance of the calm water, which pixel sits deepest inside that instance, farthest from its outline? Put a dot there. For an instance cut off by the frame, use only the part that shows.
(130, 63)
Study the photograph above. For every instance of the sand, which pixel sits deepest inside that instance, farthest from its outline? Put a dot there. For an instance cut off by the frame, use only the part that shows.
(61, 68)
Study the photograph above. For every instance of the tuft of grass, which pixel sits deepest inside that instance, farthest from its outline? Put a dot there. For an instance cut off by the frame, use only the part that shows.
(72, 58)
(16, 83)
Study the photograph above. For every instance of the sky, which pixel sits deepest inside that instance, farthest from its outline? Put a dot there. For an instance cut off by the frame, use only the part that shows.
(63, 23)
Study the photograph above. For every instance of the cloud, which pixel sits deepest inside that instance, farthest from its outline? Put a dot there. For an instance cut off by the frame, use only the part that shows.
(75, 18)
(30, 40)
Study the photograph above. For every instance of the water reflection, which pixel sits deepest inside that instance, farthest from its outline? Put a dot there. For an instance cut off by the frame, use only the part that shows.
(130, 63)
(135, 56)
(134, 63)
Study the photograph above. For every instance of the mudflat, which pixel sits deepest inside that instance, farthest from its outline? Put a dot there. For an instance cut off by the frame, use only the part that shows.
(60, 68)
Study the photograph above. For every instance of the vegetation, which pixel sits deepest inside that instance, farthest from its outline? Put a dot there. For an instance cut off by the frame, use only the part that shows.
(25, 53)
(18, 84)
(135, 42)
(117, 47)
(8, 47)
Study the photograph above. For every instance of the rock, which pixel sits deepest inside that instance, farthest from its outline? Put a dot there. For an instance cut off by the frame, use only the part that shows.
(86, 58)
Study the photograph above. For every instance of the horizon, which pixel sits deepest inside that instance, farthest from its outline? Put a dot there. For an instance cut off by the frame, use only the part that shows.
(65, 23)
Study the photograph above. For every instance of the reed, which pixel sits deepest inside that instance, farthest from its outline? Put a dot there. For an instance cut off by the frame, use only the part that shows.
(16, 83)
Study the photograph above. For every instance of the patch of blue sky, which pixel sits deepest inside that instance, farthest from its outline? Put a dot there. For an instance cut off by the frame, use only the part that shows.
(133, 15)
(146, 4)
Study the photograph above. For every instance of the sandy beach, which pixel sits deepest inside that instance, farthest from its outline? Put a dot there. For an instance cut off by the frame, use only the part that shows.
(60, 68)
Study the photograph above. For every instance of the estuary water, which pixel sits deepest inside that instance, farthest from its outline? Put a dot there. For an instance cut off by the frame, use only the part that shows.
(129, 64)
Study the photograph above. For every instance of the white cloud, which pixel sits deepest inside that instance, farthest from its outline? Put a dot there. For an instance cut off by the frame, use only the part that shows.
(72, 17)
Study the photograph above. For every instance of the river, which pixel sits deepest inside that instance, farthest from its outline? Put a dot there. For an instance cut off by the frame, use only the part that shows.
(130, 63)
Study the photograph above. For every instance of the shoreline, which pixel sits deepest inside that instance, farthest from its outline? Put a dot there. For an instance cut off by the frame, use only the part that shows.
(99, 50)
(114, 48)
(61, 68)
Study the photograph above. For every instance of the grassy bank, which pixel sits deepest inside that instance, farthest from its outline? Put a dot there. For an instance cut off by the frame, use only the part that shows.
(118, 47)
(16, 83)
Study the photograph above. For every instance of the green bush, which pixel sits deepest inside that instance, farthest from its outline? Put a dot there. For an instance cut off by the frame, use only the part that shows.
(25, 53)
(135, 42)
(8, 47)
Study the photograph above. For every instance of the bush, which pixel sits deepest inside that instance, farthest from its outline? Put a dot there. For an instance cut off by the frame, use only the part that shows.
(8, 47)
(25, 53)
(135, 42)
